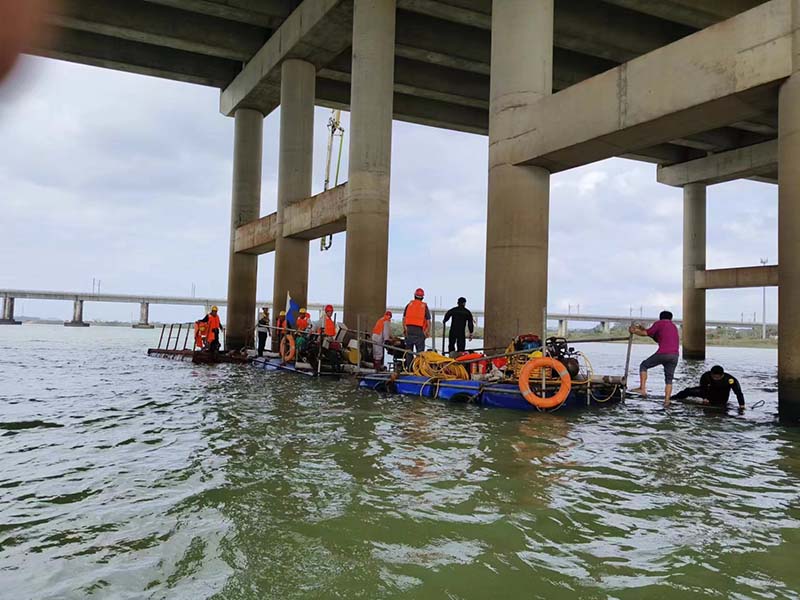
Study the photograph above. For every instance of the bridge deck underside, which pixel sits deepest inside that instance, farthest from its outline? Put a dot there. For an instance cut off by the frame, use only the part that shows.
(442, 54)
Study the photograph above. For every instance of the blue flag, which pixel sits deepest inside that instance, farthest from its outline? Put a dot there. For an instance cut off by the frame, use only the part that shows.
(292, 310)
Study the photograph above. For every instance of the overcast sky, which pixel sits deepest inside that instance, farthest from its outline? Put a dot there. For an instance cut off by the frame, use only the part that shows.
(126, 179)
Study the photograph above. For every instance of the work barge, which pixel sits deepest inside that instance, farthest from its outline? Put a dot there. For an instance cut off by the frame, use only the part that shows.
(528, 374)
(707, 90)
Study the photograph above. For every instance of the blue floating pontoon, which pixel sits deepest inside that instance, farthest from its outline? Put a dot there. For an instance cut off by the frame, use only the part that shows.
(484, 393)
(277, 364)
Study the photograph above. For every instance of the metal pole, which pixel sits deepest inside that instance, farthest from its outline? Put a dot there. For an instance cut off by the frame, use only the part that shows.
(341, 143)
(764, 305)
(332, 123)
(627, 362)
(544, 333)
(433, 332)
(169, 336)
(186, 338)
(178, 336)
(163, 327)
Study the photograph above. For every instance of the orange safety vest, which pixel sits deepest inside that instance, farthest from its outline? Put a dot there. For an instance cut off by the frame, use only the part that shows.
(330, 327)
(213, 323)
(415, 314)
(378, 329)
(302, 323)
(280, 324)
(200, 332)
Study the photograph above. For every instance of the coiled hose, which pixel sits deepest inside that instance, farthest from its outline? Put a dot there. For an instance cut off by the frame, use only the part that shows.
(433, 365)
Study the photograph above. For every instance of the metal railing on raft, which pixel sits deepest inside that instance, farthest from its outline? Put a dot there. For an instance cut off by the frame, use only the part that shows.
(176, 337)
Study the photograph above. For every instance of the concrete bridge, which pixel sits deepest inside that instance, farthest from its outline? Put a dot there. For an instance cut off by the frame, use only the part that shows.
(78, 298)
(708, 90)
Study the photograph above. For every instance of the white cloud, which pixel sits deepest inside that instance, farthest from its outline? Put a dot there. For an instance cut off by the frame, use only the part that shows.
(127, 179)
(588, 183)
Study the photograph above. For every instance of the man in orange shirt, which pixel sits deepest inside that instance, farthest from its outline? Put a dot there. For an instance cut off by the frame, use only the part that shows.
(214, 327)
(416, 325)
(380, 333)
(303, 321)
(325, 325)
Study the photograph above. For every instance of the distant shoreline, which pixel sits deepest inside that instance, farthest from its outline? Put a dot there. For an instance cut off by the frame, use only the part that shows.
(771, 342)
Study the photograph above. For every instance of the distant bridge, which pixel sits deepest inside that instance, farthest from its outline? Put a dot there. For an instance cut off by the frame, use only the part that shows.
(78, 298)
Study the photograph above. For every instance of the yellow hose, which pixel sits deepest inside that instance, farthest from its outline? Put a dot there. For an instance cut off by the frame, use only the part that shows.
(433, 365)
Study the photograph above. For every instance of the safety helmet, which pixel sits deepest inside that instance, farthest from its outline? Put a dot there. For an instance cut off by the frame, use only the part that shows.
(328, 308)
(462, 300)
(213, 308)
(282, 313)
(302, 310)
(419, 293)
(388, 314)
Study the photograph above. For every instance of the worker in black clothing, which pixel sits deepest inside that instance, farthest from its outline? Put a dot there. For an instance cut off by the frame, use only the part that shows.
(714, 389)
(462, 318)
(263, 330)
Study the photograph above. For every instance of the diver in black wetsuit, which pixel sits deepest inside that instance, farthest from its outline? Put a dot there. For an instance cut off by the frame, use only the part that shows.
(714, 389)
(462, 318)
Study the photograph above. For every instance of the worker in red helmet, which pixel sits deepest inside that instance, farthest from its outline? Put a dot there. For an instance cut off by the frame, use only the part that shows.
(380, 334)
(326, 325)
(416, 325)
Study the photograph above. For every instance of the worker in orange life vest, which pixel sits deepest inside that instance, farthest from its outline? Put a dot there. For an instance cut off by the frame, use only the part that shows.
(325, 325)
(303, 320)
(380, 334)
(279, 332)
(416, 325)
(214, 327)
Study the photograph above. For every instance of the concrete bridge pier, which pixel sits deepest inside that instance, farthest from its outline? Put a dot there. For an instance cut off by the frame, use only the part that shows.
(605, 327)
(77, 315)
(519, 196)
(245, 207)
(8, 312)
(371, 109)
(295, 159)
(563, 327)
(694, 259)
(144, 317)
(789, 242)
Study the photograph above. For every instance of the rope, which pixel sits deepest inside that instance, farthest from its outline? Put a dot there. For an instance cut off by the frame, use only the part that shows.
(607, 398)
(589, 370)
(433, 365)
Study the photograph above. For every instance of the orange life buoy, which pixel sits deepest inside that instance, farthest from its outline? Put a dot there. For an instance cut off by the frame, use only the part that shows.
(287, 354)
(549, 401)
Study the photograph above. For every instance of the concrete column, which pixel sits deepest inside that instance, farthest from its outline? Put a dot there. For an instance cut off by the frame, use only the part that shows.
(371, 109)
(605, 327)
(77, 315)
(694, 258)
(144, 317)
(563, 326)
(789, 250)
(245, 207)
(519, 197)
(294, 177)
(8, 312)
(789, 236)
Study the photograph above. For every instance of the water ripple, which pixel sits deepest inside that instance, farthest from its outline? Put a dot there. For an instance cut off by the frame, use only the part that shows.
(131, 477)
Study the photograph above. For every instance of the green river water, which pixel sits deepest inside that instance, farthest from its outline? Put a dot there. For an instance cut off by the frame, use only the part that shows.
(133, 477)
